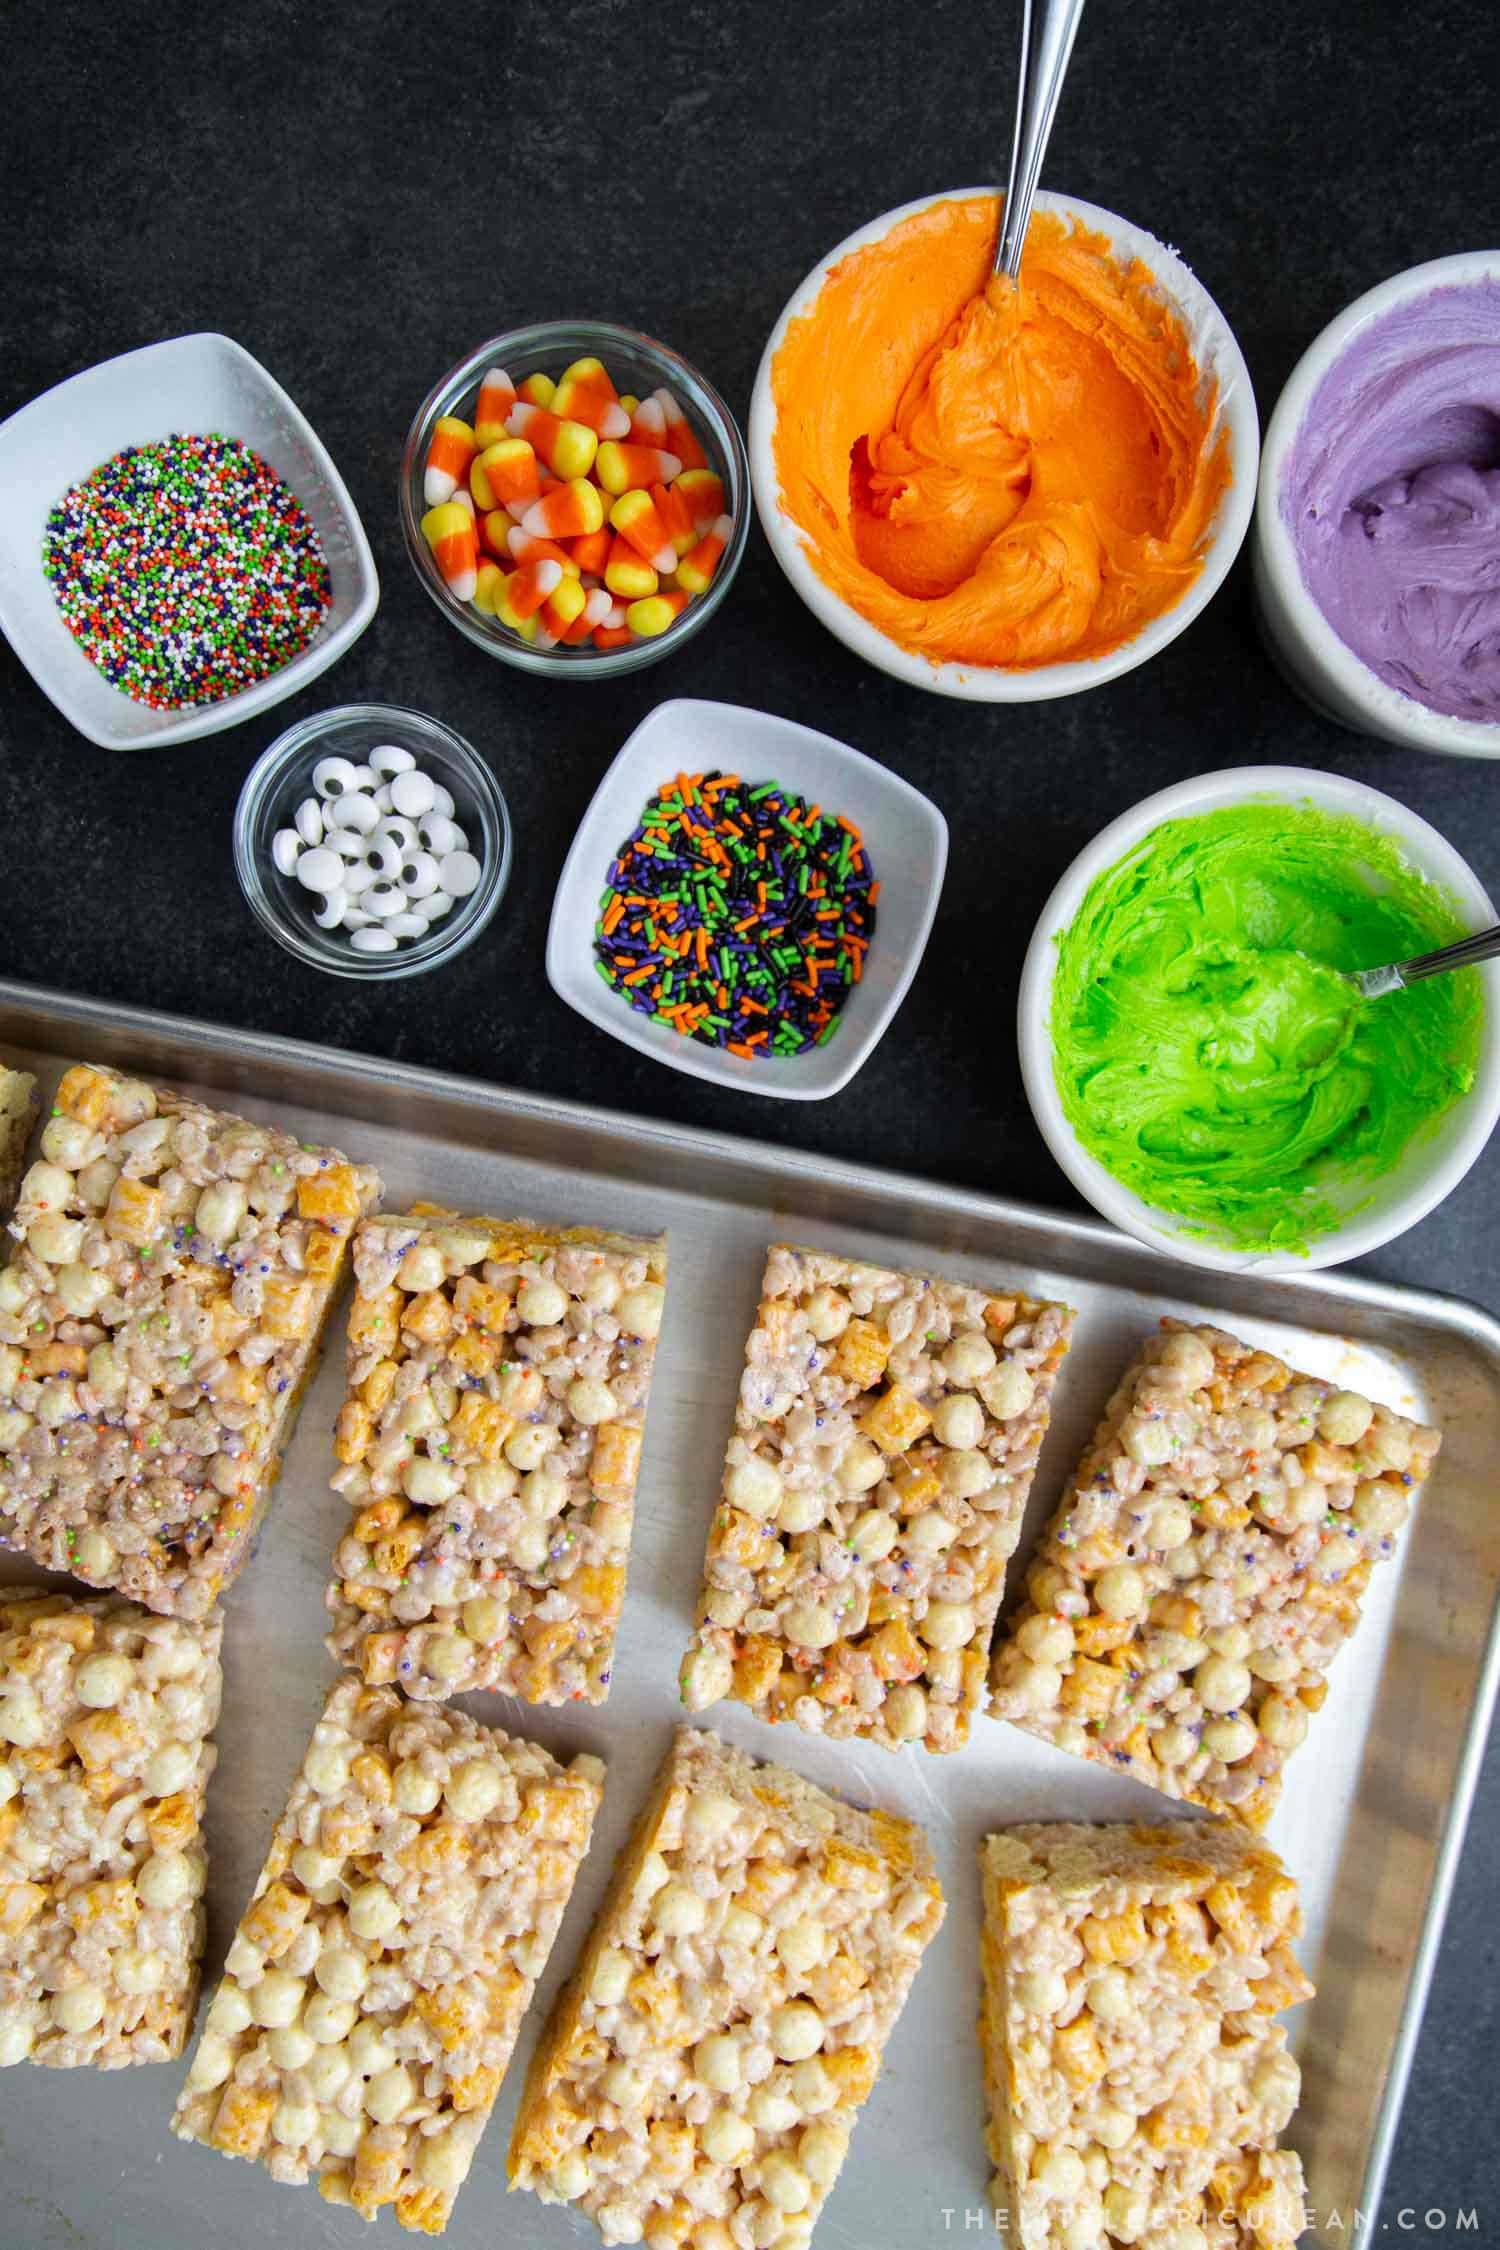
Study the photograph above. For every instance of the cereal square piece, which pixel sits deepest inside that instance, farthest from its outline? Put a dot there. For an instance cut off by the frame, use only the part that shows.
(159, 1319)
(1136, 2082)
(17, 1102)
(1205, 1568)
(105, 1718)
(887, 1429)
(489, 1443)
(373, 1991)
(727, 2019)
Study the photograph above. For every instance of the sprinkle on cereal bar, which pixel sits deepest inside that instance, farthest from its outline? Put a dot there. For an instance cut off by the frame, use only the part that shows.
(373, 1991)
(105, 1719)
(1205, 1568)
(159, 1319)
(887, 1429)
(489, 1444)
(702, 2072)
(17, 1102)
(1136, 2080)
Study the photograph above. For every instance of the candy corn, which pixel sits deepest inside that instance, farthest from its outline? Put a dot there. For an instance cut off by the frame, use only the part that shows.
(450, 533)
(497, 395)
(505, 475)
(533, 584)
(697, 567)
(509, 616)
(568, 448)
(566, 511)
(648, 424)
(489, 588)
(495, 528)
(653, 615)
(525, 547)
(591, 551)
(626, 468)
(448, 458)
(572, 514)
(704, 494)
(566, 603)
(680, 438)
(635, 518)
(626, 574)
(586, 394)
(676, 515)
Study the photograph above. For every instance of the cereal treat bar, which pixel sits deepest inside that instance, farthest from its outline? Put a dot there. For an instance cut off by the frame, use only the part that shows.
(887, 1430)
(159, 1319)
(702, 2072)
(489, 1445)
(1135, 2078)
(105, 1718)
(1205, 1567)
(17, 1101)
(373, 1991)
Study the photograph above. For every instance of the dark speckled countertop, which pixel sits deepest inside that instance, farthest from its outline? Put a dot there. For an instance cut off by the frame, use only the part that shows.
(359, 195)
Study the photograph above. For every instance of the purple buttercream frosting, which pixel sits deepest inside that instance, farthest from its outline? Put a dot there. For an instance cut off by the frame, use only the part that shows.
(1392, 498)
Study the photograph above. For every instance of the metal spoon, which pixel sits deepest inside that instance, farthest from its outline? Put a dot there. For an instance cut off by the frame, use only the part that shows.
(1374, 984)
(1044, 65)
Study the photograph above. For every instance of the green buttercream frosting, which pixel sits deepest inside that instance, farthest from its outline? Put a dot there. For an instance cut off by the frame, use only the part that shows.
(1209, 1055)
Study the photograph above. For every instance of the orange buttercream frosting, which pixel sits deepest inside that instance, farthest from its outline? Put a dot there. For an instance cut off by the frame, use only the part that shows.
(994, 476)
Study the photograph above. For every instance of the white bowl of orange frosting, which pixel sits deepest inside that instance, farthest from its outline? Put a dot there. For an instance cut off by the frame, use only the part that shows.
(998, 496)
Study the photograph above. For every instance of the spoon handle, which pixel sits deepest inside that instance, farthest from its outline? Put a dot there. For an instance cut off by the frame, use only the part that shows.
(1484, 945)
(1048, 29)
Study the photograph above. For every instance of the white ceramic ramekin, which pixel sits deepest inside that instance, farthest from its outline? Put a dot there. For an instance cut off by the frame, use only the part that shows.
(1320, 666)
(907, 839)
(1430, 1169)
(1218, 355)
(190, 385)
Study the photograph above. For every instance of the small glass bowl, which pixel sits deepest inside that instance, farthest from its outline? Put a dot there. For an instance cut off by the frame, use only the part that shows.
(637, 364)
(279, 780)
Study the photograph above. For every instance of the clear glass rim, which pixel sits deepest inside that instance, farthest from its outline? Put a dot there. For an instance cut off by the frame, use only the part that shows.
(465, 924)
(532, 341)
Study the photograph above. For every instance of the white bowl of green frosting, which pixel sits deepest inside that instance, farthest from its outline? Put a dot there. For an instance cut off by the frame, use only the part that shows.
(1190, 1052)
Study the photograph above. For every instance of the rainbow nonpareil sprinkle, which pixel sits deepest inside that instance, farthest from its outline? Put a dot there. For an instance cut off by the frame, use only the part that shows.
(738, 914)
(186, 570)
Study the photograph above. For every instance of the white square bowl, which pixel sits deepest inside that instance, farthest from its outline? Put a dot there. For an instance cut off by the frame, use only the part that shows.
(904, 833)
(189, 386)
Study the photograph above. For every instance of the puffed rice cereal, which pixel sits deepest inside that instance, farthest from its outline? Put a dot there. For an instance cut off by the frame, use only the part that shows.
(17, 1101)
(702, 2072)
(1205, 1568)
(159, 1319)
(1136, 2080)
(489, 1445)
(373, 1991)
(887, 1429)
(105, 1719)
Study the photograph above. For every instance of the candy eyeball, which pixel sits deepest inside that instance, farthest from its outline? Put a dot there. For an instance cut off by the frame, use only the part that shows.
(378, 850)
(413, 794)
(332, 777)
(388, 759)
(458, 874)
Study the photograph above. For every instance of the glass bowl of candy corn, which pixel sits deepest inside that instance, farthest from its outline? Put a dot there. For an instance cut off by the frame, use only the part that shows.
(575, 498)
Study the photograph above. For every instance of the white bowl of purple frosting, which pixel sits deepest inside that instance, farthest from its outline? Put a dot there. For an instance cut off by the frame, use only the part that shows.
(1376, 549)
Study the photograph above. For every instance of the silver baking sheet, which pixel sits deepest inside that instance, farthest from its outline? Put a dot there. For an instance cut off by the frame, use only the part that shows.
(1375, 1803)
